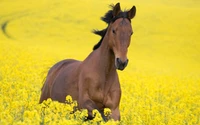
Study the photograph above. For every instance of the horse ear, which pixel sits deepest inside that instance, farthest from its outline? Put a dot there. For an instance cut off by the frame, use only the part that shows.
(131, 12)
(116, 9)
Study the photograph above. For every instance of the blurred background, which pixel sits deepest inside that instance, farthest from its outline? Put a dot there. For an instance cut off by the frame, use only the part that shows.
(166, 33)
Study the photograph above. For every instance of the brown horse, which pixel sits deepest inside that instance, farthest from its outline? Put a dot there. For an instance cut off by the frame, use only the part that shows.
(94, 82)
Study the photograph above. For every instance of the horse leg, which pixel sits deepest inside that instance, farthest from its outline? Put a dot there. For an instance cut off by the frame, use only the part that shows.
(90, 106)
(112, 103)
(115, 114)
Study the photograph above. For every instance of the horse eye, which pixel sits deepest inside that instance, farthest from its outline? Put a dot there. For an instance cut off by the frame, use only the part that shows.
(114, 31)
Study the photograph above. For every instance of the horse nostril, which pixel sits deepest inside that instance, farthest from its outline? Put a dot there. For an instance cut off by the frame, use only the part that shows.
(126, 63)
(118, 60)
(121, 64)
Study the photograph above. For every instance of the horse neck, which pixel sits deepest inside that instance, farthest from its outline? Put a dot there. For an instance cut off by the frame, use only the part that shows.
(106, 56)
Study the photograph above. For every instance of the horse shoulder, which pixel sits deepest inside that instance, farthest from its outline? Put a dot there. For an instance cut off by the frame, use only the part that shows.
(89, 85)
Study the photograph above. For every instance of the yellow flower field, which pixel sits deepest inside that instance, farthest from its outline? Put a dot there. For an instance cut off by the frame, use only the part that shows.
(161, 84)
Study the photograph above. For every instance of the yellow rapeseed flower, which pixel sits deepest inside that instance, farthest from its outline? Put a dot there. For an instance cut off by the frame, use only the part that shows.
(69, 99)
(107, 112)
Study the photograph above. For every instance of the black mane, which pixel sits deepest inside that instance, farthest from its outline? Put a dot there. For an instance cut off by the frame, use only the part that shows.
(109, 18)
(101, 33)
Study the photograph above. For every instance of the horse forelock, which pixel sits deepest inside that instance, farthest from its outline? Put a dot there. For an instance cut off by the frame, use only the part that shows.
(109, 18)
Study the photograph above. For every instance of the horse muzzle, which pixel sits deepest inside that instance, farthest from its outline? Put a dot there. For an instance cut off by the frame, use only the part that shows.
(119, 64)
